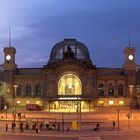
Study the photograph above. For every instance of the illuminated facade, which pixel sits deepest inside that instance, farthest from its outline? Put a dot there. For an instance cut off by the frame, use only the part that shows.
(70, 82)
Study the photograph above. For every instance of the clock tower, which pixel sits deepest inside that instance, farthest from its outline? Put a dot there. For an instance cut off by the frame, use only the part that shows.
(129, 59)
(9, 68)
(9, 58)
(130, 73)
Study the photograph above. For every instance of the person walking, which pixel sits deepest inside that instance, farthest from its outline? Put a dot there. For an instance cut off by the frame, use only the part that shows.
(113, 123)
(6, 127)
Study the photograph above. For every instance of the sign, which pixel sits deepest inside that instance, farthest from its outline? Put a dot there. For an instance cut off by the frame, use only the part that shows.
(74, 125)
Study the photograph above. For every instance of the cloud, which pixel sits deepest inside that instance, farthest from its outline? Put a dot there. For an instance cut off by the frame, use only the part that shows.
(38, 25)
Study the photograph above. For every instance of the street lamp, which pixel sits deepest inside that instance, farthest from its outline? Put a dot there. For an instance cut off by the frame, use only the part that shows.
(14, 104)
(5, 107)
(78, 113)
(129, 115)
(118, 111)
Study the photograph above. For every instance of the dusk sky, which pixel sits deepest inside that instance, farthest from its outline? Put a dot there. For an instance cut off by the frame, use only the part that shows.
(102, 25)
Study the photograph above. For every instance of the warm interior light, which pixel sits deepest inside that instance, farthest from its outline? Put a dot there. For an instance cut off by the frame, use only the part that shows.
(111, 102)
(121, 102)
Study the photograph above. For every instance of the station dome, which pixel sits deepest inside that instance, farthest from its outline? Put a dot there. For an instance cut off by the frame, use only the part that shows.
(78, 49)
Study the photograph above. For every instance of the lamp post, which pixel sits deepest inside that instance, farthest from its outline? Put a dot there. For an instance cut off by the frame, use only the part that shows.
(14, 104)
(129, 115)
(118, 111)
(5, 107)
(78, 113)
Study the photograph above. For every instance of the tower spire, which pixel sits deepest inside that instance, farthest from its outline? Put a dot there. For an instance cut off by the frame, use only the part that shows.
(129, 43)
(9, 36)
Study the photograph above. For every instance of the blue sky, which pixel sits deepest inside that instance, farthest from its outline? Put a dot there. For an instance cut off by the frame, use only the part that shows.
(102, 25)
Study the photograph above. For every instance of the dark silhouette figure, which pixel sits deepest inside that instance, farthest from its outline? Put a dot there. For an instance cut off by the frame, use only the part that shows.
(97, 127)
(69, 53)
(6, 127)
(13, 126)
(113, 123)
(21, 126)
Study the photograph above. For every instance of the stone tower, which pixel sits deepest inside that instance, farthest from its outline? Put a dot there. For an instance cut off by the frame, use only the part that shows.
(9, 68)
(130, 72)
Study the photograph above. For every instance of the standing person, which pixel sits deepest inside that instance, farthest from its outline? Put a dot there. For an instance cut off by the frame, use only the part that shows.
(37, 128)
(113, 123)
(21, 126)
(97, 126)
(6, 127)
(13, 125)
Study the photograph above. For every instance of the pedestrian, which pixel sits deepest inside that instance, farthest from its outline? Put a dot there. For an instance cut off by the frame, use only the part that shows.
(27, 126)
(6, 127)
(37, 128)
(68, 129)
(13, 126)
(97, 126)
(21, 126)
(41, 126)
(113, 123)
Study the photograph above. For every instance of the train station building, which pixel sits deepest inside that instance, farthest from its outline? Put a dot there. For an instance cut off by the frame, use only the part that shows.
(70, 81)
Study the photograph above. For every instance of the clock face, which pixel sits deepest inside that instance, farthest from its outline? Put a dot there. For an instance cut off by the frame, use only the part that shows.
(8, 57)
(130, 57)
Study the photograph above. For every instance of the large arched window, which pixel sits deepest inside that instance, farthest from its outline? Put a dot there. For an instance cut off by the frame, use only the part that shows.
(28, 90)
(19, 90)
(100, 90)
(38, 90)
(120, 90)
(69, 84)
(111, 90)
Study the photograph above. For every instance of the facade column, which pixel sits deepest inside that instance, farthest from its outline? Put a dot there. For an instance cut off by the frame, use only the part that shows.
(33, 89)
(116, 88)
(106, 88)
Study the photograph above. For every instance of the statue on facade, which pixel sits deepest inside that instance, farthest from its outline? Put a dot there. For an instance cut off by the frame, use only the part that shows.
(69, 53)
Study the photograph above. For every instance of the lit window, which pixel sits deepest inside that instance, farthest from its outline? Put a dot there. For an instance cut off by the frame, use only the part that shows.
(121, 102)
(18, 102)
(27, 102)
(111, 102)
(37, 102)
(101, 102)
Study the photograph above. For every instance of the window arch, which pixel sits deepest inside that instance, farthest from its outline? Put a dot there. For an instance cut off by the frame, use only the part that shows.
(120, 90)
(38, 90)
(111, 90)
(100, 90)
(19, 90)
(69, 84)
(28, 90)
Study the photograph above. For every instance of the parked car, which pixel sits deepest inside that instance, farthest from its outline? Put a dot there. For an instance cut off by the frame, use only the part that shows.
(33, 107)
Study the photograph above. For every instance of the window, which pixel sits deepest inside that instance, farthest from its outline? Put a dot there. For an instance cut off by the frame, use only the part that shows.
(100, 90)
(138, 90)
(28, 90)
(101, 103)
(121, 102)
(111, 90)
(19, 90)
(38, 90)
(111, 102)
(69, 84)
(120, 90)
(18, 102)
(27, 102)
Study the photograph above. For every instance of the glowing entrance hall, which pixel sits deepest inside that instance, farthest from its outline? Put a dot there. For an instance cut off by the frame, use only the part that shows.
(69, 84)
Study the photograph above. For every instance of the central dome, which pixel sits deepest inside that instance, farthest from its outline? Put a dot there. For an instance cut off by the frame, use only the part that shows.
(78, 49)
